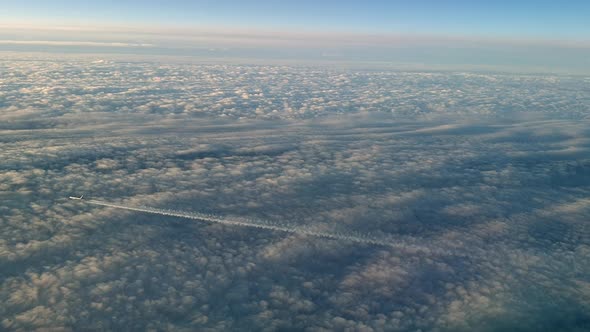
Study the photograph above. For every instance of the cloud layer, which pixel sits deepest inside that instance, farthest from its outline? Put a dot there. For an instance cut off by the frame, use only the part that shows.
(483, 180)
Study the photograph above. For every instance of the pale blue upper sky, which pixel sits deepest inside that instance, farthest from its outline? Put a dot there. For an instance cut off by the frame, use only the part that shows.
(539, 19)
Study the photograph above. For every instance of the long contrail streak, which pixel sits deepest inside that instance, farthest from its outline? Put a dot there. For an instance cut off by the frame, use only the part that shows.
(269, 225)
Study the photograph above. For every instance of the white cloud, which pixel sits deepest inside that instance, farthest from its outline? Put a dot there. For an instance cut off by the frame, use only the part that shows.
(491, 226)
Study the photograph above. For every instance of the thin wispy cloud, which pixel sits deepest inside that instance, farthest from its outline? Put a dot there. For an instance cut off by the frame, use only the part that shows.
(72, 43)
(242, 36)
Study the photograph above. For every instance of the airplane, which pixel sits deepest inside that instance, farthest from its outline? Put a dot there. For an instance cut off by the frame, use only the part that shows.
(77, 198)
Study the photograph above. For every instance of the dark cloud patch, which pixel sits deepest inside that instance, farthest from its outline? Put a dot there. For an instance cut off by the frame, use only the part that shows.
(27, 125)
(224, 152)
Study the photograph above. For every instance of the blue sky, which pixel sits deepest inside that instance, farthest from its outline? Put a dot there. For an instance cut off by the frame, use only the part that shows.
(537, 36)
(497, 19)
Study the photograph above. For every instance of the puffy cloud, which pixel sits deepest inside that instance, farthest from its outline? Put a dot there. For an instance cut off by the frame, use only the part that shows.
(488, 213)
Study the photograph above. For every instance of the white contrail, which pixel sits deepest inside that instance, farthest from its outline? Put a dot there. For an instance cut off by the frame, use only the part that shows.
(359, 238)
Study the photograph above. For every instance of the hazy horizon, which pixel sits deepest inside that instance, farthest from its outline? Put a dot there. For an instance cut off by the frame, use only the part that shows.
(524, 36)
